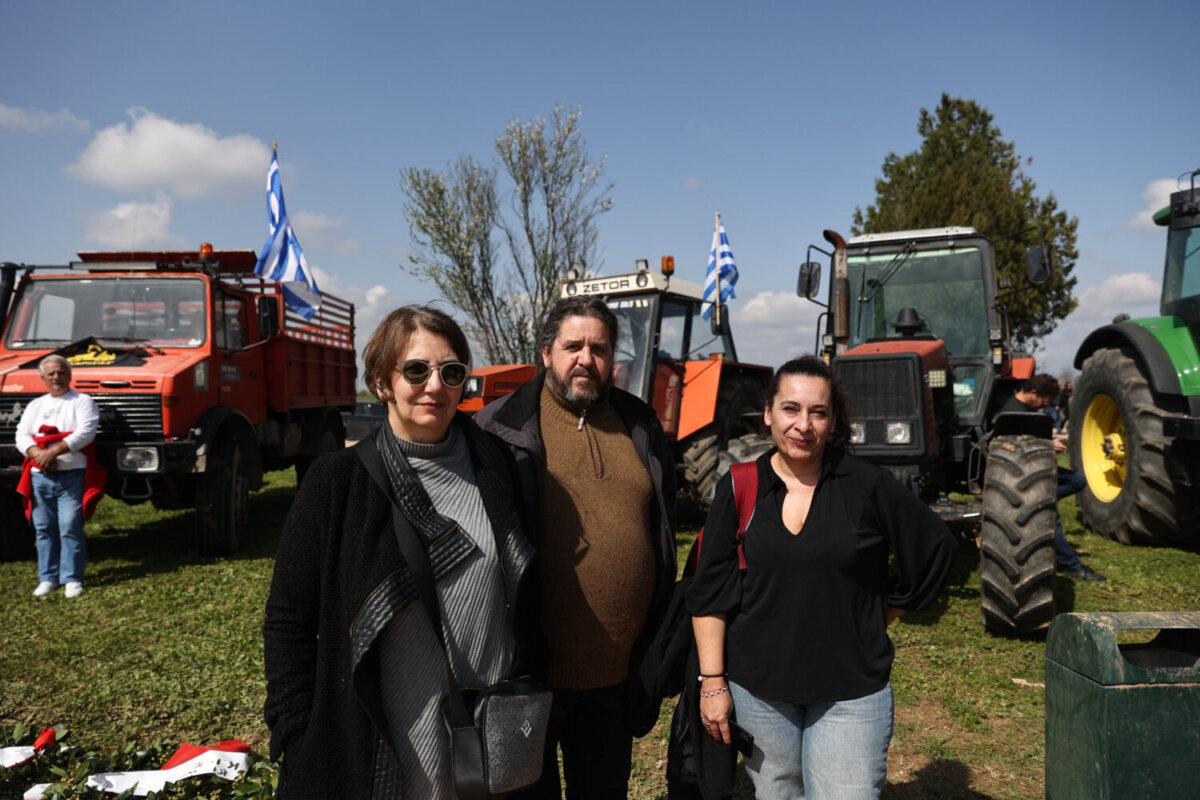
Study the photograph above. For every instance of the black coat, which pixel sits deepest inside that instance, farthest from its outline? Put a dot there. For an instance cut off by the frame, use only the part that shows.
(339, 579)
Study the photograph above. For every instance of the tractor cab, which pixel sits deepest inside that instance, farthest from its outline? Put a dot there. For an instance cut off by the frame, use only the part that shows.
(661, 330)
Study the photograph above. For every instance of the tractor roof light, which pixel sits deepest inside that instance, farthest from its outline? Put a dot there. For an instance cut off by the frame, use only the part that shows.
(643, 265)
(668, 266)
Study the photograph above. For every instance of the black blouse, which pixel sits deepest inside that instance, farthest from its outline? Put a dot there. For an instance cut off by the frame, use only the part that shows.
(806, 620)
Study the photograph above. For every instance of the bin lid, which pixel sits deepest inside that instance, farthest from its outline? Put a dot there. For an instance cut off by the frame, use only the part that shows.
(1087, 644)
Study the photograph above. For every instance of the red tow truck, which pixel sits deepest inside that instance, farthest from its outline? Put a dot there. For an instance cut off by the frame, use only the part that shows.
(203, 376)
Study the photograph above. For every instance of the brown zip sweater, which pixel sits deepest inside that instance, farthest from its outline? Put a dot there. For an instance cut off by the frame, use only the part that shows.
(597, 558)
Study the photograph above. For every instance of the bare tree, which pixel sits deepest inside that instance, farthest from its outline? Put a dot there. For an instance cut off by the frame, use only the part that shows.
(455, 220)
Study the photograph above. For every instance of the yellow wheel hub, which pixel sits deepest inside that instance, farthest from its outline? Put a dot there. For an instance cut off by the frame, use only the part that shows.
(1102, 448)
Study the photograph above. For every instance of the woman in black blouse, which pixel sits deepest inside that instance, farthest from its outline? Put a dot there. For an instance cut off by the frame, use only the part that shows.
(797, 643)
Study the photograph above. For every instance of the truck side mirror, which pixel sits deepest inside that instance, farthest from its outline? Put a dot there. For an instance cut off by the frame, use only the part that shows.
(809, 282)
(268, 317)
(1039, 264)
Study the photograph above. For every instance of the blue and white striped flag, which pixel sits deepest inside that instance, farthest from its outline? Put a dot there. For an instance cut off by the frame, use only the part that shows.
(281, 258)
(719, 255)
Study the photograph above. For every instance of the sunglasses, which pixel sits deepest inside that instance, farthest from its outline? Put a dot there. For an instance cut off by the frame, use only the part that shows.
(417, 370)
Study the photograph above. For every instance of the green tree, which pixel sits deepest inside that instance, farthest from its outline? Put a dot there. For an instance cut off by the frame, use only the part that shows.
(503, 270)
(965, 173)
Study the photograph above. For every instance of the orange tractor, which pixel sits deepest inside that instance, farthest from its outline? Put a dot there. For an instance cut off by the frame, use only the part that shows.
(683, 365)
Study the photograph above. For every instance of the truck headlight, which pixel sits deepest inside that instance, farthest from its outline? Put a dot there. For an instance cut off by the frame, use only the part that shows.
(937, 379)
(899, 433)
(858, 433)
(137, 459)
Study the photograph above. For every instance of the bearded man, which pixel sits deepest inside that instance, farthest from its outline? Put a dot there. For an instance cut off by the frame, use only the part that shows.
(598, 499)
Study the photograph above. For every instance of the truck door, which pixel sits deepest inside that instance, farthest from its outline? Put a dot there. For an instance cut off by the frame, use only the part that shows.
(239, 369)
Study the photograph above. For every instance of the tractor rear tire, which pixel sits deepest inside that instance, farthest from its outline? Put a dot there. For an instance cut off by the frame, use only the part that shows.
(1117, 443)
(700, 463)
(1016, 567)
(744, 448)
(222, 498)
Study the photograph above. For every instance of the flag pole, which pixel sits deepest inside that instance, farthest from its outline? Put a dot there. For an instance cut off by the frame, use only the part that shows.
(717, 264)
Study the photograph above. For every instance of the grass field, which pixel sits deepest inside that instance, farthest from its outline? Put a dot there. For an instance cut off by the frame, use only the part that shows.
(166, 646)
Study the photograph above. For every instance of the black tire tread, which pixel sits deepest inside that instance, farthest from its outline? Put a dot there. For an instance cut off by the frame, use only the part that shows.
(1017, 538)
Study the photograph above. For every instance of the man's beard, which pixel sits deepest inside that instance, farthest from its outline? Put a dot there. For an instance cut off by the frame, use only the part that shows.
(577, 398)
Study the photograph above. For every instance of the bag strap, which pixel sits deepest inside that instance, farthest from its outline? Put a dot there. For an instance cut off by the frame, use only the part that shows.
(418, 566)
(745, 498)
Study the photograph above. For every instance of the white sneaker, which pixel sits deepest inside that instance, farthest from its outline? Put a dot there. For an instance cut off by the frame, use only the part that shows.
(74, 589)
(44, 588)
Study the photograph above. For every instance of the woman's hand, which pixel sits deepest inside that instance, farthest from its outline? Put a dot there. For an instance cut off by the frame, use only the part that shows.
(715, 710)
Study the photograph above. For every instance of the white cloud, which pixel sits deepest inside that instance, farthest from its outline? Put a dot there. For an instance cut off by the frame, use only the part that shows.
(35, 119)
(771, 327)
(692, 183)
(318, 230)
(1156, 195)
(1133, 293)
(186, 160)
(133, 225)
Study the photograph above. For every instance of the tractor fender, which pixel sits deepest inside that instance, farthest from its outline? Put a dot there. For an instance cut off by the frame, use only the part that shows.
(221, 421)
(1147, 350)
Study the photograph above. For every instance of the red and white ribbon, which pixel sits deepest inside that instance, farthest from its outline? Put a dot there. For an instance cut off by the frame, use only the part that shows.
(12, 756)
(227, 759)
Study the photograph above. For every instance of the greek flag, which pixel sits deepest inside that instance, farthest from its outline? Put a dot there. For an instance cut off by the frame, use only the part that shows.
(721, 256)
(281, 258)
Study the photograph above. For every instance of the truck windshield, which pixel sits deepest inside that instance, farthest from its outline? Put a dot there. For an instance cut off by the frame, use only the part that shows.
(944, 287)
(162, 312)
(1182, 276)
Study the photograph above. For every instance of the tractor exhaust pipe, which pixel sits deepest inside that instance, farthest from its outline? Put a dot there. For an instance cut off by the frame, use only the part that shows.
(839, 301)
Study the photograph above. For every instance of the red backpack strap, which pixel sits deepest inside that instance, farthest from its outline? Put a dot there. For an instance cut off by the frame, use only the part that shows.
(745, 497)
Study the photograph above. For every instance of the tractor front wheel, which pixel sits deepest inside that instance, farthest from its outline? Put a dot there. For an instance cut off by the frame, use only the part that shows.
(1016, 566)
(1117, 443)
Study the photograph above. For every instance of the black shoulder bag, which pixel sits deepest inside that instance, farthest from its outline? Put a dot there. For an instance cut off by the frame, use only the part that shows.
(497, 734)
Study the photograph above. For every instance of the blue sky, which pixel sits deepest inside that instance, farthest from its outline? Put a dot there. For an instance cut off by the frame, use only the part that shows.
(149, 124)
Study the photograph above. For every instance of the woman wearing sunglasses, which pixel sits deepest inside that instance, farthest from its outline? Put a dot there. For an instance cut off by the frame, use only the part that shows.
(356, 674)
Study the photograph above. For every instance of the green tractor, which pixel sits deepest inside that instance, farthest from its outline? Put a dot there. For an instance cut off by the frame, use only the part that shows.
(1135, 412)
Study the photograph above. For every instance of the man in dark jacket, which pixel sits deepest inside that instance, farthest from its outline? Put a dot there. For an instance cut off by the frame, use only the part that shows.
(598, 498)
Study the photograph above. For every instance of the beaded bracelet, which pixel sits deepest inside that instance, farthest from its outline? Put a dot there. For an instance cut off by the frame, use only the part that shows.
(715, 692)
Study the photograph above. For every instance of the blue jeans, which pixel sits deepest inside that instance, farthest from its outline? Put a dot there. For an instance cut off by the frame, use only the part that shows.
(822, 751)
(58, 525)
(1069, 483)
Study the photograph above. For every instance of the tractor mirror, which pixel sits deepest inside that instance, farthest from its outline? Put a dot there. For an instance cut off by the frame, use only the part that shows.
(809, 282)
(268, 317)
(719, 322)
(1039, 263)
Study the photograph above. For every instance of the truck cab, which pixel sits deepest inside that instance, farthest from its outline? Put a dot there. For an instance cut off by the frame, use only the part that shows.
(202, 376)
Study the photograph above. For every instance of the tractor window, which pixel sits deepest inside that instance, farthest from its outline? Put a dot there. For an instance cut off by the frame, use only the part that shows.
(163, 312)
(635, 335)
(944, 287)
(1182, 276)
(671, 334)
(703, 344)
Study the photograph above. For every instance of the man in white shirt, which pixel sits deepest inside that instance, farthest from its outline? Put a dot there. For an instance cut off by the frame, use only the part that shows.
(68, 420)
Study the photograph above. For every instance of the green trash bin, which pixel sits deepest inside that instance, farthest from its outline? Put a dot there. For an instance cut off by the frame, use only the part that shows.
(1123, 720)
